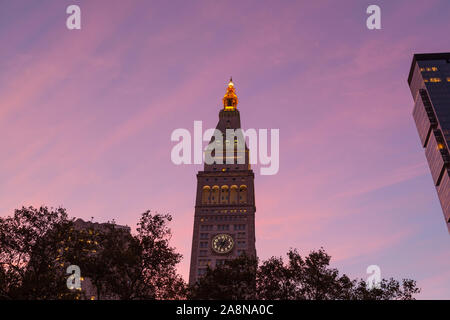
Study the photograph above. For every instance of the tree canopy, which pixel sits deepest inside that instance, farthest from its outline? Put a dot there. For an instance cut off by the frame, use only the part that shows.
(37, 246)
(308, 278)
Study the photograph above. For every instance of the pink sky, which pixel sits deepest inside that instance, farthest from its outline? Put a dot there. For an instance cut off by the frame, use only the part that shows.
(86, 118)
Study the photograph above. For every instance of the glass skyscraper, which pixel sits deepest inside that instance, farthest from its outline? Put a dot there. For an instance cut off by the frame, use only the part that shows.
(429, 81)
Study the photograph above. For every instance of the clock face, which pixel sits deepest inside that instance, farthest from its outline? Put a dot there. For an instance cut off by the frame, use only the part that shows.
(222, 243)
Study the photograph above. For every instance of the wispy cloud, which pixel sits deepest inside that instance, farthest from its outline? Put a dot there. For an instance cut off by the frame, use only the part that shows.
(86, 117)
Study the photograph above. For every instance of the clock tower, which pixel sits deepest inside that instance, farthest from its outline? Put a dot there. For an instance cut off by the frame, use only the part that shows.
(224, 218)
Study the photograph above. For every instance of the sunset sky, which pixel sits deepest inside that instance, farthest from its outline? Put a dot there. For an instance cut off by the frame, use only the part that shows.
(86, 118)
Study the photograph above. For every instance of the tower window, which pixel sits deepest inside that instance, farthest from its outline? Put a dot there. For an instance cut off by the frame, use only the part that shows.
(206, 194)
(243, 194)
(223, 227)
(220, 262)
(204, 262)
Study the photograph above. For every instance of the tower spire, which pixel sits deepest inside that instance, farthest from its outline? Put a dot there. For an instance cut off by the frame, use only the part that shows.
(230, 99)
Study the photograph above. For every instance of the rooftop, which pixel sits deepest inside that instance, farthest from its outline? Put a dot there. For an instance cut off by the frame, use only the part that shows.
(426, 56)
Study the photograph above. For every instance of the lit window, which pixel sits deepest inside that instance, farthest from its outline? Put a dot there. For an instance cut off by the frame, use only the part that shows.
(448, 79)
(435, 79)
(204, 262)
(434, 69)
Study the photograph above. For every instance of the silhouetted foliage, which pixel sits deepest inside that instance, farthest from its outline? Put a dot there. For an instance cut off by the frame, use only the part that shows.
(137, 267)
(309, 278)
(37, 245)
(234, 280)
(30, 243)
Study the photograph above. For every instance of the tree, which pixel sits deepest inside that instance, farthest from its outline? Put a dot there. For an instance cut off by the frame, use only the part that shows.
(131, 267)
(37, 245)
(158, 259)
(313, 279)
(389, 290)
(302, 279)
(309, 278)
(234, 280)
(30, 261)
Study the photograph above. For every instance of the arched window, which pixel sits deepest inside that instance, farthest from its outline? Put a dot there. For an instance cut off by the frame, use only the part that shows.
(234, 194)
(215, 194)
(224, 194)
(206, 194)
(243, 194)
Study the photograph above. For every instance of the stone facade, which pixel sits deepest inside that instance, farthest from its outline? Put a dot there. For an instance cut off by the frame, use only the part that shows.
(224, 218)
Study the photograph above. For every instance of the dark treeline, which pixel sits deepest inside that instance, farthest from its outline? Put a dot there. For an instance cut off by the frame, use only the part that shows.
(37, 246)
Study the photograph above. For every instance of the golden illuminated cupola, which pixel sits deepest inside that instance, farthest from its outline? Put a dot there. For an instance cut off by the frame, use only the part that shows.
(230, 99)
